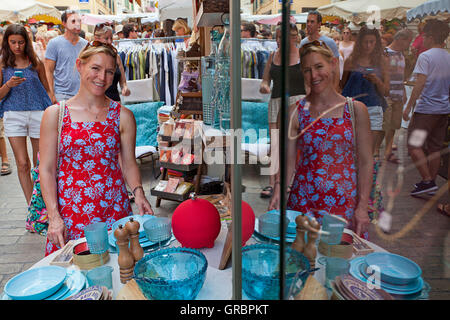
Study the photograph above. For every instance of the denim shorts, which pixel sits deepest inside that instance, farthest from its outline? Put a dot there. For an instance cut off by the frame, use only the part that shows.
(376, 118)
(22, 123)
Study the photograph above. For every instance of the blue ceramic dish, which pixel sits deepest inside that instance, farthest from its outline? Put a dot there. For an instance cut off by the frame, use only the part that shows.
(394, 268)
(261, 274)
(136, 217)
(411, 287)
(355, 271)
(36, 284)
(171, 274)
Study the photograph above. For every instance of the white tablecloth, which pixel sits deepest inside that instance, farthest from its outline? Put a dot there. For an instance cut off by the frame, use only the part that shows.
(218, 283)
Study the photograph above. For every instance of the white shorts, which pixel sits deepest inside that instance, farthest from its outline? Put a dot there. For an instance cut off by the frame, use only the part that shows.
(376, 118)
(22, 123)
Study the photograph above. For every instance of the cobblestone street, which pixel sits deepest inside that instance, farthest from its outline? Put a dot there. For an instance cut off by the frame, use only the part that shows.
(428, 243)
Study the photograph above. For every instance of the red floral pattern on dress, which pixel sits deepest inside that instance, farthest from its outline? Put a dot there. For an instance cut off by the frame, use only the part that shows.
(91, 187)
(325, 179)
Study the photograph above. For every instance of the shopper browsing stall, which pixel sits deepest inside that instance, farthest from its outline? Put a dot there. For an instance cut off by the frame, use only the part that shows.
(60, 57)
(104, 34)
(313, 25)
(366, 76)
(324, 179)
(296, 89)
(25, 96)
(95, 131)
(429, 102)
(392, 117)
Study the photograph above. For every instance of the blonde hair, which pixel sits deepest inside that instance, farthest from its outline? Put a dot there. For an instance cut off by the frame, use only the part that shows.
(90, 51)
(322, 49)
(89, 36)
(50, 35)
(180, 23)
(101, 31)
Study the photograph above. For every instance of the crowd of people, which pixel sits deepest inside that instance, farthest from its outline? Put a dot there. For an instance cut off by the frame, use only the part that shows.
(332, 174)
(83, 178)
(335, 140)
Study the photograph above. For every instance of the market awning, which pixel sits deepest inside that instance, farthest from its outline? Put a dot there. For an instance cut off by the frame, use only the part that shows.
(93, 19)
(25, 9)
(46, 18)
(273, 19)
(368, 10)
(439, 9)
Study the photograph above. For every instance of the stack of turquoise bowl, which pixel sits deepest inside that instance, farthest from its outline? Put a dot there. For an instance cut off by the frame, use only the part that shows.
(395, 274)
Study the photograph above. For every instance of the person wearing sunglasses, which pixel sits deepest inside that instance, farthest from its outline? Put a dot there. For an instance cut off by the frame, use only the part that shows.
(296, 88)
(346, 44)
(313, 24)
(60, 56)
(103, 32)
(96, 131)
(323, 149)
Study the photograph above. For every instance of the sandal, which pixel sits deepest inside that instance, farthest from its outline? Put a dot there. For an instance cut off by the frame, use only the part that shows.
(393, 159)
(267, 192)
(6, 169)
(444, 209)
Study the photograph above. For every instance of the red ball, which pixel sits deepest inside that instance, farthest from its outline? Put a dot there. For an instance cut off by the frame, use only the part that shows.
(248, 222)
(196, 223)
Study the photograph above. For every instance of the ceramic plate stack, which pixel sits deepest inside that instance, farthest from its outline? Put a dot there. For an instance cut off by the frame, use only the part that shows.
(395, 274)
(93, 293)
(43, 284)
(290, 232)
(143, 240)
(347, 287)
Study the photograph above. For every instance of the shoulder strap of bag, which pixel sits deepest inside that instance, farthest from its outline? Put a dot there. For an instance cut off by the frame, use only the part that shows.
(62, 106)
(351, 109)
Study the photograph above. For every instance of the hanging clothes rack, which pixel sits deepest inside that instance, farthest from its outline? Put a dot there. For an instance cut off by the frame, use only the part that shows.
(151, 39)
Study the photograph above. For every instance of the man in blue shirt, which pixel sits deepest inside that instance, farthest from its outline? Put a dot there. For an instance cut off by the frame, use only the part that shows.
(60, 57)
(313, 23)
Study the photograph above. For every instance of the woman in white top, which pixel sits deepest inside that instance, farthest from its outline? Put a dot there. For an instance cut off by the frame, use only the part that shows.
(346, 45)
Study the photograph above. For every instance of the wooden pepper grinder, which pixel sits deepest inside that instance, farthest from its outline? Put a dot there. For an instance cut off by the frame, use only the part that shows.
(135, 247)
(299, 242)
(126, 260)
(310, 250)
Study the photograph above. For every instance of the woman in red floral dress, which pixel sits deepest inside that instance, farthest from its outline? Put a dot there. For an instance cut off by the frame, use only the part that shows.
(324, 179)
(96, 130)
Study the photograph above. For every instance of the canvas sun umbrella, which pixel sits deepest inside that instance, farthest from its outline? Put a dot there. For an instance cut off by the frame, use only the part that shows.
(369, 10)
(439, 9)
(22, 10)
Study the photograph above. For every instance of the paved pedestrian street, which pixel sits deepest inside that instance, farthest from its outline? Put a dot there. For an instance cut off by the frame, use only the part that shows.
(427, 243)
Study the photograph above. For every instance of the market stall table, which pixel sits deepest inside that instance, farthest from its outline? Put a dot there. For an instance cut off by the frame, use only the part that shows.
(218, 283)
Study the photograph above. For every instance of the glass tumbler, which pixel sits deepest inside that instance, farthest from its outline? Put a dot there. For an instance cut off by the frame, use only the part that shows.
(97, 237)
(100, 276)
(335, 267)
(334, 225)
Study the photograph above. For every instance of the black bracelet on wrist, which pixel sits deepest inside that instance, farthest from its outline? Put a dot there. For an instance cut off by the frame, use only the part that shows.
(138, 187)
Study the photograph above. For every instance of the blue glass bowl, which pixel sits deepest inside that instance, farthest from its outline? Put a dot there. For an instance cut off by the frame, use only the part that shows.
(171, 274)
(394, 269)
(261, 274)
